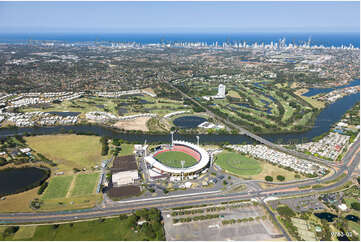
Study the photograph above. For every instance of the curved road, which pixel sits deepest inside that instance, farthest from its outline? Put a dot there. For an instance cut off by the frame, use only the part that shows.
(350, 160)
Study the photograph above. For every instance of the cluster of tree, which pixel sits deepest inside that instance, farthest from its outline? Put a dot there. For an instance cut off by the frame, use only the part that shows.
(243, 220)
(9, 231)
(105, 146)
(355, 206)
(42, 188)
(286, 214)
(196, 218)
(187, 212)
(152, 227)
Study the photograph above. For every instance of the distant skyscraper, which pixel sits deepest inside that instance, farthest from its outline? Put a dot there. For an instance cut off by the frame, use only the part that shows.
(221, 90)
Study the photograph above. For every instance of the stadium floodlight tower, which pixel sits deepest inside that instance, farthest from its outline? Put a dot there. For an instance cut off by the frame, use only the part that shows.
(171, 132)
(182, 163)
(197, 140)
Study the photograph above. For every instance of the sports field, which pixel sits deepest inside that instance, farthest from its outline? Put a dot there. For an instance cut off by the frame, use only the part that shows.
(58, 187)
(174, 158)
(238, 164)
(68, 150)
(85, 184)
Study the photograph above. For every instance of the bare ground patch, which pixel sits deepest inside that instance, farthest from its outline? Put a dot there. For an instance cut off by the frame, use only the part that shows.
(134, 124)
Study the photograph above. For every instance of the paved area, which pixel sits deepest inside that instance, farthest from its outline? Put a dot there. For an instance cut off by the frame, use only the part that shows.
(300, 204)
(213, 229)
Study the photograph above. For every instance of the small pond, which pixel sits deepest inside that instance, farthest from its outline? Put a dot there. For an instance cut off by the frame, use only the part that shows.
(17, 180)
(188, 122)
(65, 114)
(328, 216)
(352, 218)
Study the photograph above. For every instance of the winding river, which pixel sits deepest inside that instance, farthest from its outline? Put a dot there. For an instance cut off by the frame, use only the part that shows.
(327, 117)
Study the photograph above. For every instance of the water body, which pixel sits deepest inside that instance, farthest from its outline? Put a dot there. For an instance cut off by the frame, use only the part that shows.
(327, 117)
(328, 216)
(352, 218)
(188, 122)
(65, 114)
(326, 39)
(20, 179)
(331, 114)
(315, 91)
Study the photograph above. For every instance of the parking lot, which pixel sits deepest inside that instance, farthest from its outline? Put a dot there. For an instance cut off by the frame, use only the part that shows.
(213, 229)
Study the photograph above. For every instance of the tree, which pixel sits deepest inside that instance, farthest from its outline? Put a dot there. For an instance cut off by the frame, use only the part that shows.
(280, 178)
(355, 205)
(269, 178)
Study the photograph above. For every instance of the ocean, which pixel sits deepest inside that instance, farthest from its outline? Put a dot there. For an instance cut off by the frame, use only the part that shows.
(325, 39)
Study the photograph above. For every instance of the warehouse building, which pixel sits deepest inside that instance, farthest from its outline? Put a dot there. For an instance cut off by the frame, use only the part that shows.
(124, 170)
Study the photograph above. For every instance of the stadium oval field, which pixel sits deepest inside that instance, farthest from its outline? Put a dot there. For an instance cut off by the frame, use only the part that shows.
(168, 159)
(238, 164)
(173, 159)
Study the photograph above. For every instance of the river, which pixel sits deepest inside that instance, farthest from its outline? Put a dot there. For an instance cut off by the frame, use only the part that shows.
(327, 117)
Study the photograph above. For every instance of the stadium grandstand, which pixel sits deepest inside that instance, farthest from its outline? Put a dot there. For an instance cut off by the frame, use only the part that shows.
(198, 153)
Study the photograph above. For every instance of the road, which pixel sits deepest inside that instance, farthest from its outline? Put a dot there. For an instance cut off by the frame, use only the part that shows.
(350, 161)
(255, 136)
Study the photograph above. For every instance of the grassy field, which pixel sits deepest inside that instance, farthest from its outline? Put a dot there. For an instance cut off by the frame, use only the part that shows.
(58, 187)
(238, 164)
(71, 203)
(110, 229)
(18, 202)
(272, 170)
(25, 232)
(174, 158)
(85, 184)
(68, 151)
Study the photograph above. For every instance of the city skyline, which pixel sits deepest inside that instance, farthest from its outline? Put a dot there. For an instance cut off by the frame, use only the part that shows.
(201, 17)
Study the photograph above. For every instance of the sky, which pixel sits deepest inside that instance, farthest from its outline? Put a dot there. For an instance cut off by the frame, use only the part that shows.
(178, 17)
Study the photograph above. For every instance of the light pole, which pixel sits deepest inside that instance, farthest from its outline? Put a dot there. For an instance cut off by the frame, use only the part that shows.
(182, 163)
(171, 132)
(197, 140)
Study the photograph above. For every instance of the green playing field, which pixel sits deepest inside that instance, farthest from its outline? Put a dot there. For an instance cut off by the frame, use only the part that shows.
(174, 158)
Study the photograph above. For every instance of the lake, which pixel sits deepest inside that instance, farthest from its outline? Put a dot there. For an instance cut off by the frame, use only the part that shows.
(187, 122)
(17, 180)
(315, 91)
(328, 216)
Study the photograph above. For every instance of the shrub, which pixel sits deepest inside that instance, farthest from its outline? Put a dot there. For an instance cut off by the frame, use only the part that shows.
(280, 178)
(42, 188)
(268, 178)
(355, 205)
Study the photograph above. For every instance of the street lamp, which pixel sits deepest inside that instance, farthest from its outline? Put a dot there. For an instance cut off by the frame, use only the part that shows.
(197, 140)
(172, 132)
(182, 163)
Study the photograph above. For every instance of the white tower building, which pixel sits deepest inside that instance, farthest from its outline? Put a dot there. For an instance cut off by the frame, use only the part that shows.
(221, 91)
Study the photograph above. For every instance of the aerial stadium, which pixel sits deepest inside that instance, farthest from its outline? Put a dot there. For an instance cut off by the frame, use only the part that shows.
(180, 158)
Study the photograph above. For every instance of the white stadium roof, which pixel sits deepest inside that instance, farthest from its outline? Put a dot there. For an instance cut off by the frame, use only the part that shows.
(200, 165)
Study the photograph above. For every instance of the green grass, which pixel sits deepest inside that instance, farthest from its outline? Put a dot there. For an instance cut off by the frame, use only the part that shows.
(68, 151)
(238, 164)
(25, 232)
(110, 229)
(85, 184)
(174, 158)
(58, 187)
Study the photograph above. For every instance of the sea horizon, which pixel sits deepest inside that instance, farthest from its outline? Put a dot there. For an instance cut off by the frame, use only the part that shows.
(325, 38)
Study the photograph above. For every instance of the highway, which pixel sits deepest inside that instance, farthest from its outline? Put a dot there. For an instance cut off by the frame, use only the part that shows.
(351, 160)
(255, 136)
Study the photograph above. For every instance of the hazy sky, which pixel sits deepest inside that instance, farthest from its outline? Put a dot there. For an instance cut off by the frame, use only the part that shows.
(179, 16)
